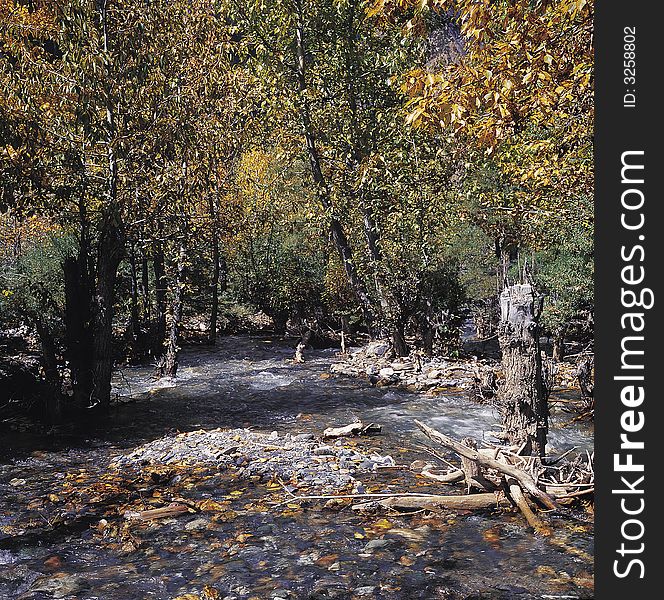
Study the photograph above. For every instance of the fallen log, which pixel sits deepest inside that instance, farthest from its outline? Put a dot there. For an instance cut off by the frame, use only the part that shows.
(471, 502)
(293, 497)
(525, 480)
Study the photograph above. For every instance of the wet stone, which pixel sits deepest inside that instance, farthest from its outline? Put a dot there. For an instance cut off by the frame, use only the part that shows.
(197, 524)
(374, 545)
(60, 586)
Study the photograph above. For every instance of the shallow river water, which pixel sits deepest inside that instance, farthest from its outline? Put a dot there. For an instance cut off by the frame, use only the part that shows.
(256, 548)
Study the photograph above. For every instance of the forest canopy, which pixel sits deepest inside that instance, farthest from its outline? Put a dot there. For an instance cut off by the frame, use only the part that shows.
(171, 169)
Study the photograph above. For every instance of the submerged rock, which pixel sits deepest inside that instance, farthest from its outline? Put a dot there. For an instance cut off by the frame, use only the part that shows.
(364, 590)
(59, 585)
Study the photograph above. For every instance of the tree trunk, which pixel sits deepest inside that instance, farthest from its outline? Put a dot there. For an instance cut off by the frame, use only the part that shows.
(427, 339)
(78, 341)
(522, 398)
(110, 251)
(51, 373)
(279, 322)
(322, 189)
(216, 271)
(160, 285)
(145, 285)
(584, 373)
(168, 365)
(110, 246)
(214, 303)
(134, 314)
(559, 344)
(399, 340)
(427, 330)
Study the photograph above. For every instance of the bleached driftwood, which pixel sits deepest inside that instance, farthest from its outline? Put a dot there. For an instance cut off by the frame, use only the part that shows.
(465, 502)
(520, 500)
(357, 428)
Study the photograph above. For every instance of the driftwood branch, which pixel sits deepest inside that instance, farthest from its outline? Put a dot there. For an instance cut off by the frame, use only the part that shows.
(525, 480)
(413, 502)
(520, 500)
(293, 497)
(450, 477)
(426, 469)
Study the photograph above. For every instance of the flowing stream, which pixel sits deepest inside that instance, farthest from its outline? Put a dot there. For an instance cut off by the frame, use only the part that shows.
(254, 550)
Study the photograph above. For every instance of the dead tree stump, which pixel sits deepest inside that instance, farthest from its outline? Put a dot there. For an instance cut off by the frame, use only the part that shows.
(523, 396)
(302, 345)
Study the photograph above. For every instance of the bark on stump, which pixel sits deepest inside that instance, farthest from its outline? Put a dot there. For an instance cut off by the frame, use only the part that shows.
(523, 397)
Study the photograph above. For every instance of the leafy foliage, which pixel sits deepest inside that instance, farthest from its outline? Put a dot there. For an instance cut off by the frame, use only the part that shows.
(383, 161)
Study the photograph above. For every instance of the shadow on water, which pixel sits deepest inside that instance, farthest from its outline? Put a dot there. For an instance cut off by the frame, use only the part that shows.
(252, 382)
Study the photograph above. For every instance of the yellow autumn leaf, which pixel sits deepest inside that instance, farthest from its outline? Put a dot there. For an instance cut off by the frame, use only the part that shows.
(383, 524)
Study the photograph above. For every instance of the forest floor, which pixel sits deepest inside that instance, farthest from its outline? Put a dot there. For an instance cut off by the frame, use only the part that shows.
(187, 492)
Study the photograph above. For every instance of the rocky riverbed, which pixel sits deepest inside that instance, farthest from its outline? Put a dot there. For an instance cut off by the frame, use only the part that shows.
(297, 459)
(219, 453)
(376, 363)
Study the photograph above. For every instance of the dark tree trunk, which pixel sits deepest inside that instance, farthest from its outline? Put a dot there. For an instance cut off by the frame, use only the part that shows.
(399, 340)
(134, 313)
(110, 252)
(168, 365)
(214, 303)
(584, 373)
(145, 286)
(110, 249)
(427, 339)
(78, 339)
(523, 397)
(322, 189)
(345, 330)
(51, 373)
(216, 272)
(279, 321)
(426, 329)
